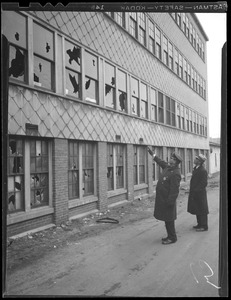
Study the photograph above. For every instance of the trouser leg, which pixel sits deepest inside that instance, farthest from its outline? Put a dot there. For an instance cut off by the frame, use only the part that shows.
(170, 227)
(203, 220)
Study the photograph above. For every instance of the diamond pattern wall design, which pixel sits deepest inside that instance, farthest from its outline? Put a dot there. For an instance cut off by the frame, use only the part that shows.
(58, 117)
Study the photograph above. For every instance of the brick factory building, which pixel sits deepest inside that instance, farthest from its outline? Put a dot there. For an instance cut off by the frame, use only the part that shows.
(88, 92)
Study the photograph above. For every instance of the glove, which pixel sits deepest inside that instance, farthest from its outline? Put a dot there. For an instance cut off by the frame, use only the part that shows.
(150, 151)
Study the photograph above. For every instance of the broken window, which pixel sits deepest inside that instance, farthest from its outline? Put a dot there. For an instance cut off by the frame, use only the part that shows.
(73, 170)
(110, 169)
(73, 69)
(109, 92)
(144, 101)
(135, 96)
(88, 168)
(153, 105)
(160, 107)
(122, 91)
(15, 175)
(14, 28)
(39, 173)
(140, 165)
(43, 57)
(119, 152)
(91, 77)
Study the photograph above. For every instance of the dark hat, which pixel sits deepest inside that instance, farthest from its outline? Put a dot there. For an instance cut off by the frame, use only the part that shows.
(201, 158)
(177, 157)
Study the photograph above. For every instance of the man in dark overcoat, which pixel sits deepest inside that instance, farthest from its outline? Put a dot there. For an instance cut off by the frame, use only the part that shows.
(167, 190)
(197, 200)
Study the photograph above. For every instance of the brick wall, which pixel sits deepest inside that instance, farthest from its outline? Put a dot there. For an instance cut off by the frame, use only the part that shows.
(60, 180)
(130, 179)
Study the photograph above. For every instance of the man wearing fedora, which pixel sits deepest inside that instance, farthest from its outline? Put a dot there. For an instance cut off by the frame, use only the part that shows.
(197, 200)
(167, 190)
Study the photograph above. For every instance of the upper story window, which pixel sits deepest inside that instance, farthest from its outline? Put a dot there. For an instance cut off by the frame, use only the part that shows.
(120, 18)
(191, 33)
(178, 116)
(170, 112)
(182, 110)
(135, 96)
(133, 25)
(153, 105)
(176, 61)
(151, 30)
(142, 28)
(158, 43)
(14, 27)
(170, 51)
(184, 22)
(43, 57)
(194, 38)
(160, 107)
(180, 66)
(165, 50)
(122, 91)
(178, 19)
(110, 98)
(189, 74)
(187, 27)
(203, 51)
(144, 101)
(73, 69)
(185, 70)
(91, 77)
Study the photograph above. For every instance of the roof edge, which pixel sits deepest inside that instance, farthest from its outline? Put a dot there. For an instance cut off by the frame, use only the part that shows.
(200, 26)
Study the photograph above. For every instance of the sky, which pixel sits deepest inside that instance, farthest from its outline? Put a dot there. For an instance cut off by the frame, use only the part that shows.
(215, 27)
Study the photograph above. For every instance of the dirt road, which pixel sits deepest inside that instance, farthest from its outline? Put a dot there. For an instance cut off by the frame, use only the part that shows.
(129, 260)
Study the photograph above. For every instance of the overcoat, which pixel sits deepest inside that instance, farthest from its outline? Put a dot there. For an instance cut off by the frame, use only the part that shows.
(167, 190)
(197, 199)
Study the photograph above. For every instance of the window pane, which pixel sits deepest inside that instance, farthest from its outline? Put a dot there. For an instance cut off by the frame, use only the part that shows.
(122, 83)
(134, 105)
(134, 87)
(72, 56)
(122, 101)
(43, 42)
(91, 65)
(73, 83)
(43, 72)
(14, 28)
(91, 90)
(17, 60)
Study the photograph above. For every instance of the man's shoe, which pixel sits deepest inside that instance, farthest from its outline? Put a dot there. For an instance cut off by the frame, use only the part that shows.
(168, 241)
(165, 239)
(202, 229)
(197, 226)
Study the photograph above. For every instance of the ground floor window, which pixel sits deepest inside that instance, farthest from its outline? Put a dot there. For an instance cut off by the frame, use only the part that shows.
(81, 169)
(29, 169)
(156, 169)
(140, 165)
(115, 166)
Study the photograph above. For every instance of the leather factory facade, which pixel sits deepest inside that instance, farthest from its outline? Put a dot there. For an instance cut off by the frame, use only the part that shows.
(88, 92)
